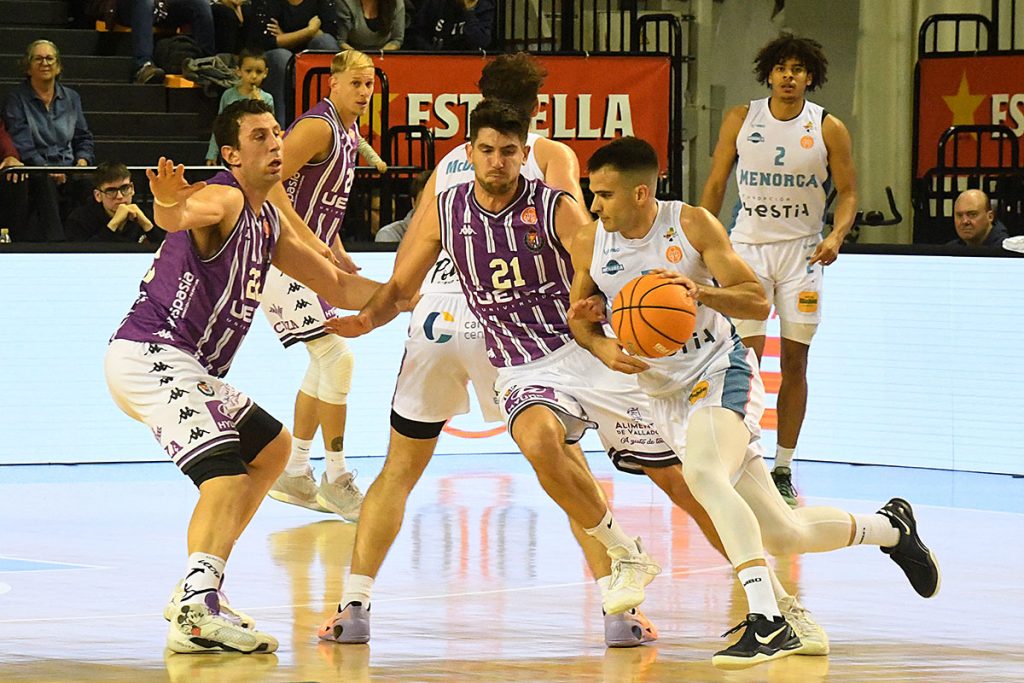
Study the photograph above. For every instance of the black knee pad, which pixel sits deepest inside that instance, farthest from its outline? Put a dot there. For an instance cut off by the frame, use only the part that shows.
(413, 429)
(223, 461)
(255, 431)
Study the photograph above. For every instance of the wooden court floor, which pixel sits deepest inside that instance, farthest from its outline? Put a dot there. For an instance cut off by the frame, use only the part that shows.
(486, 584)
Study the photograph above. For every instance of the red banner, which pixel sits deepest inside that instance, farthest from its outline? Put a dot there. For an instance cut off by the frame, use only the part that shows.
(585, 102)
(967, 90)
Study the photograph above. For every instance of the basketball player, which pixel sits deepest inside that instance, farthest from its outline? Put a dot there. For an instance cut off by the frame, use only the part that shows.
(787, 152)
(707, 399)
(444, 352)
(165, 362)
(319, 165)
(505, 235)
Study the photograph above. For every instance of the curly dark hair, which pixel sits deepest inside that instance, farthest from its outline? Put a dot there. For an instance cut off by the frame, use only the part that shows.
(788, 46)
(515, 79)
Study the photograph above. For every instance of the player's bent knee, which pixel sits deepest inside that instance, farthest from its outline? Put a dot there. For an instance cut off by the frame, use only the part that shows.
(336, 375)
(256, 431)
(225, 461)
(750, 328)
(801, 333)
(413, 429)
(781, 539)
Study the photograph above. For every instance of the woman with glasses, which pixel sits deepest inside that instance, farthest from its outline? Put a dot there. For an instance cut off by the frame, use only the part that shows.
(112, 217)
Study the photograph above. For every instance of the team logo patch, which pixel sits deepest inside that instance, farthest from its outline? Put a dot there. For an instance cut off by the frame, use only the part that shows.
(529, 216)
(674, 254)
(205, 389)
(429, 330)
(534, 240)
(807, 302)
(755, 137)
(809, 126)
(699, 392)
(670, 233)
(633, 413)
(612, 267)
(807, 142)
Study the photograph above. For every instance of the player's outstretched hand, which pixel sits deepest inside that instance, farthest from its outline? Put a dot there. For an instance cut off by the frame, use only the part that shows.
(345, 262)
(168, 185)
(349, 325)
(692, 288)
(611, 352)
(589, 310)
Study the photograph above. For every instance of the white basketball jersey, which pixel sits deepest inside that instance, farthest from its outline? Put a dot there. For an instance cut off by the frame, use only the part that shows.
(617, 260)
(455, 169)
(781, 174)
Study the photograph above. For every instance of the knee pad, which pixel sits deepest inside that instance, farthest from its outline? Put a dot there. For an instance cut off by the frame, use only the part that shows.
(415, 430)
(311, 381)
(750, 328)
(802, 333)
(225, 461)
(335, 373)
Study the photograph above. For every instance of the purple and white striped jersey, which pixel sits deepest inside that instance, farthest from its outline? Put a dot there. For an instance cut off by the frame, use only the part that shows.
(320, 191)
(205, 306)
(513, 269)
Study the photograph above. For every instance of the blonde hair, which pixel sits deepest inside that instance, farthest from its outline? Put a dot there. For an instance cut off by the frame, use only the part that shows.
(350, 59)
(26, 59)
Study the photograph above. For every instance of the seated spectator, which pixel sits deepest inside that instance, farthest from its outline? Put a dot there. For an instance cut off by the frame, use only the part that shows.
(142, 15)
(252, 69)
(112, 217)
(371, 24)
(394, 232)
(232, 24)
(451, 25)
(46, 122)
(13, 188)
(974, 220)
(286, 27)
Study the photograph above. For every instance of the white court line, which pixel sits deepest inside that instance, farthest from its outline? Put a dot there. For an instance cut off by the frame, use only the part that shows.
(93, 616)
(75, 565)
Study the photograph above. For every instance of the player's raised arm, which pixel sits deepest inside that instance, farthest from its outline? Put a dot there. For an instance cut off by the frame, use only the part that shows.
(739, 294)
(295, 258)
(179, 205)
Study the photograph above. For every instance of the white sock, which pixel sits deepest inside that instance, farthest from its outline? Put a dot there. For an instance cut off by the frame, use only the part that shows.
(784, 456)
(202, 577)
(298, 463)
(335, 465)
(758, 587)
(357, 589)
(874, 529)
(612, 537)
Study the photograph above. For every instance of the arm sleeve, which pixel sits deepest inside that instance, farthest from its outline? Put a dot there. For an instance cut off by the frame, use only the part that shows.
(368, 152)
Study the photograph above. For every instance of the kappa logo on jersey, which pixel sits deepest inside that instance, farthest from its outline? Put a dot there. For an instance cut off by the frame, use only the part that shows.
(196, 434)
(205, 389)
(700, 391)
(428, 326)
(467, 230)
(160, 367)
(154, 348)
(165, 334)
(755, 137)
(301, 303)
(294, 287)
(529, 216)
(165, 380)
(612, 267)
(309, 320)
(176, 393)
(674, 254)
(186, 413)
(534, 240)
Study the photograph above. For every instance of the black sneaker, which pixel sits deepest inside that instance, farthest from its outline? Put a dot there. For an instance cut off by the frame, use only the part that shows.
(149, 73)
(913, 556)
(783, 478)
(763, 640)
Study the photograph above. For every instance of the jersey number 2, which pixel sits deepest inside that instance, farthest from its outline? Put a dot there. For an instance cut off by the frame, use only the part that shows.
(780, 156)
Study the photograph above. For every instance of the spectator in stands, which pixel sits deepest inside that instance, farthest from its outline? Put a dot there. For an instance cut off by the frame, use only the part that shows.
(394, 232)
(112, 217)
(46, 122)
(252, 69)
(13, 188)
(232, 25)
(142, 15)
(451, 25)
(371, 24)
(286, 27)
(975, 221)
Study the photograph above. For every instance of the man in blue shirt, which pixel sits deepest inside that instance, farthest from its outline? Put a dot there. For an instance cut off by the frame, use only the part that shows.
(975, 221)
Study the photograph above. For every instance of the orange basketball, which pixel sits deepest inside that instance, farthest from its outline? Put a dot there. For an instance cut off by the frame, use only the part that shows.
(653, 317)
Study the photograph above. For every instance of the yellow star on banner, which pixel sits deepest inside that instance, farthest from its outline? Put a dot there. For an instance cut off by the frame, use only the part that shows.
(963, 104)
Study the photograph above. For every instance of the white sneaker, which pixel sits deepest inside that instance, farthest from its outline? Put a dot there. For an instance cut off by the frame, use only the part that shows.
(813, 639)
(630, 574)
(195, 629)
(226, 610)
(299, 490)
(342, 497)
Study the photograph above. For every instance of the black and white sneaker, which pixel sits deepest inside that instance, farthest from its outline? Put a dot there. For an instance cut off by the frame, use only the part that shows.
(913, 556)
(763, 640)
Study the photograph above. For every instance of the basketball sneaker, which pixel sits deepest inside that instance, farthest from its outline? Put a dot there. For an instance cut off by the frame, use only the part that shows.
(342, 497)
(783, 478)
(350, 625)
(913, 556)
(630, 575)
(226, 610)
(763, 640)
(299, 490)
(813, 639)
(199, 628)
(628, 629)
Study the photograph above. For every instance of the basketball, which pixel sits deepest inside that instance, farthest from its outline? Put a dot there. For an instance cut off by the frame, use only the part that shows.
(653, 317)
